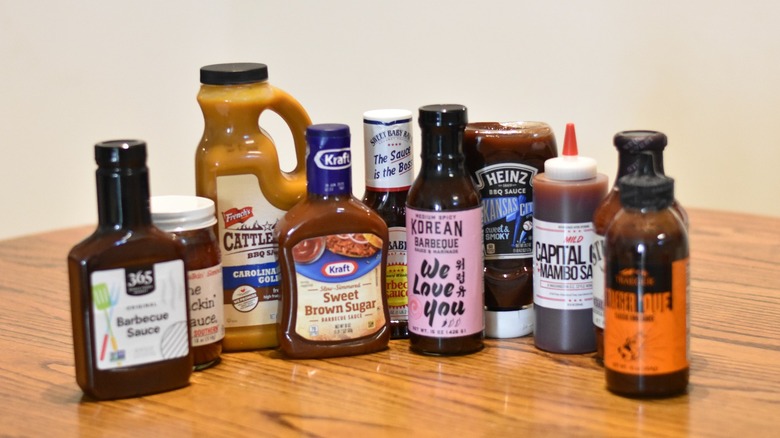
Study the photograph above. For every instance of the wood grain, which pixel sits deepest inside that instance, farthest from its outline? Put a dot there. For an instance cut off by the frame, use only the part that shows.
(509, 388)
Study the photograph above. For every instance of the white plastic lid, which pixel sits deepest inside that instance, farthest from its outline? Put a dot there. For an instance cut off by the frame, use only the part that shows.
(182, 213)
(387, 115)
(509, 323)
(570, 166)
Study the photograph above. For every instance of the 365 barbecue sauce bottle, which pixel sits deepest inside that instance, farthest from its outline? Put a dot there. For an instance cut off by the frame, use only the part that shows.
(646, 330)
(128, 288)
(444, 241)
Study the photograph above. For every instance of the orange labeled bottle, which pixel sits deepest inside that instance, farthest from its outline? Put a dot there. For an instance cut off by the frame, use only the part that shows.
(237, 166)
(128, 288)
(646, 311)
(630, 146)
(333, 255)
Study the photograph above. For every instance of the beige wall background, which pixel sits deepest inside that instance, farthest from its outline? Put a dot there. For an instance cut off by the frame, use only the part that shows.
(707, 73)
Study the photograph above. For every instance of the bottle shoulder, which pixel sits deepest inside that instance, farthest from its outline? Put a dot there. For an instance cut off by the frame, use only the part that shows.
(314, 217)
(123, 247)
(443, 193)
(655, 231)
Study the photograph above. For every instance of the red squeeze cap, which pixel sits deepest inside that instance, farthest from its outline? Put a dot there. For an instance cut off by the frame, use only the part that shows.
(570, 141)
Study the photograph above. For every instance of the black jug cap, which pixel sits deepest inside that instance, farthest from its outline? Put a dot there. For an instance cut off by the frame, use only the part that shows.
(640, 141)
(233, 73)
(645, 188)
(121, 153)
(443, 115)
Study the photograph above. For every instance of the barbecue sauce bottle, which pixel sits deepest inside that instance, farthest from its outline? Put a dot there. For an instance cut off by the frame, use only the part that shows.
(128, 288)
(631, 145)
(389, 172)
(237, 167)
(565, 197)
(333, 253)
(646, 331)
(444, 241)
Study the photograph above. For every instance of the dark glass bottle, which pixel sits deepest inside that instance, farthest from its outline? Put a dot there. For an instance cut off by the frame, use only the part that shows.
(630, 146)
(444, 241)
(128, 288)
(646, 349)
(389, 172)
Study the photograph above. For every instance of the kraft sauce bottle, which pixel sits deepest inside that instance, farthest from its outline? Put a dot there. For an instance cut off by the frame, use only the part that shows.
(444, 241)
(565, 196)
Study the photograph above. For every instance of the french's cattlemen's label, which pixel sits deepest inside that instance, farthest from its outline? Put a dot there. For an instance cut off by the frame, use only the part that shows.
(563, 265)
(139, 314)
(446, 290)
(507, 210)
(250, 263)
(339, 284)
(646, 311)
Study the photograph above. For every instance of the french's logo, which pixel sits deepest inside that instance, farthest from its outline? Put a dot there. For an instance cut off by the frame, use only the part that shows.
(339, 269)
(333, 159)
(236, 216)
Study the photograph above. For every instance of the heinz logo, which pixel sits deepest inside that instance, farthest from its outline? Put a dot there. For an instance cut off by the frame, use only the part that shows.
(339, 269)
(333, 159)
(235, 216)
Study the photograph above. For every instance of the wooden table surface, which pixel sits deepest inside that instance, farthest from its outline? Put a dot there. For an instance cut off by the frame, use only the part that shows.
(508, 389)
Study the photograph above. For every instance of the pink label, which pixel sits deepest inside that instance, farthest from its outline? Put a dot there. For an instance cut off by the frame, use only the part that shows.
(445, 265)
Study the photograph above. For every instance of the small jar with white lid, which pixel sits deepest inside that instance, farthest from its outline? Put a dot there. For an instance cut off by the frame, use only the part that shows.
(190, 220)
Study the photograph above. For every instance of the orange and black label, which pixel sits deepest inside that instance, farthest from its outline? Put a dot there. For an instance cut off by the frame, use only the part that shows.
(646, 318)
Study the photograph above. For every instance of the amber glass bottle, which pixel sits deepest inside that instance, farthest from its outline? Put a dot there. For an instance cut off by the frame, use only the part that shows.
(646, 349)
(389, 172)
(237, 166)
(444, 241)
(128, 291)
(333, 253)
(630, 145)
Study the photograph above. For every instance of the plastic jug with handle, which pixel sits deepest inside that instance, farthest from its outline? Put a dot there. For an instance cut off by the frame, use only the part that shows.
(237, 166)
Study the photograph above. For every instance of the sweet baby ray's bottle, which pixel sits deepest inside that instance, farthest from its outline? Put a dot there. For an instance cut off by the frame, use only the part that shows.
(237, 166)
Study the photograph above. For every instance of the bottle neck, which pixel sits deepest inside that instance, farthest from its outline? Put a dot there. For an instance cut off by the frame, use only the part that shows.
(233, 109)
(628, 163)
(442, 150)
(123, 198)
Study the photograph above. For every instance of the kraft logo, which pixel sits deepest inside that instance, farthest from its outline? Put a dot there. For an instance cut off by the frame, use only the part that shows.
(339, 269)
(333, 159)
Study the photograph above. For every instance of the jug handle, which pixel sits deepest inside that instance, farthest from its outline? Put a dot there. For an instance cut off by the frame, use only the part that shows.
(296, 118)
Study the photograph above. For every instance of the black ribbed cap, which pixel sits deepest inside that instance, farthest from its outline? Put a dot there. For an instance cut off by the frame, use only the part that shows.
(645, 188)
(121, 153)
(639, 141)
(443, 115)
(233, 73)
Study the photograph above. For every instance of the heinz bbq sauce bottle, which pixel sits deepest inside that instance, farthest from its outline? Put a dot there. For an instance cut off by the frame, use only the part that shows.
(444, 241)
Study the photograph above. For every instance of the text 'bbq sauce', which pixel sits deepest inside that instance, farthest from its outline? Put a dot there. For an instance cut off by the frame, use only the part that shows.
(128, 288)
(333, 253)
(503, 159)
(444, 241)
